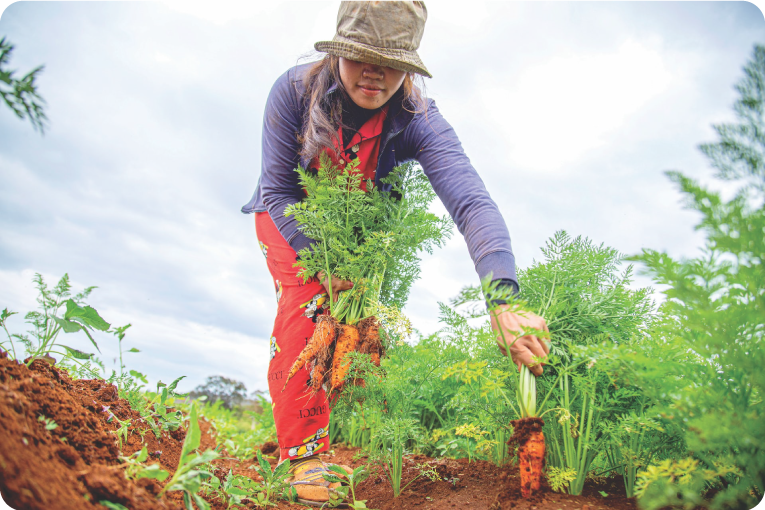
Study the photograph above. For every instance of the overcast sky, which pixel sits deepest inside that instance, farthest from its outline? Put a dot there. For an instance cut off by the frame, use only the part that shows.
(570, 112)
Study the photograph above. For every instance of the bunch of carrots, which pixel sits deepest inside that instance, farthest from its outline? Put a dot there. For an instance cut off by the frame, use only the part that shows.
(329, 346)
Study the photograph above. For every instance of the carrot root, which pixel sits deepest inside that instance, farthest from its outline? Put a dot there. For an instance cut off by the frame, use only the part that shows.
(531, 457)
(528, 436)
(347, 341)
(323, 336)
(369, 330)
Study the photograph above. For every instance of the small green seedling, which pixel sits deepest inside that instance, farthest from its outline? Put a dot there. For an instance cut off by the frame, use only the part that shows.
(234, 489)
(123, 431)
(112, 506)
(187, 478)
(49, 423)
(274, 482)
(168, 420)
(238, 450)
(135, 469)
(353, 479)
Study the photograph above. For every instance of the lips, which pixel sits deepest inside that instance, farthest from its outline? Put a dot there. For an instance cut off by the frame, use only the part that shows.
(370, 90)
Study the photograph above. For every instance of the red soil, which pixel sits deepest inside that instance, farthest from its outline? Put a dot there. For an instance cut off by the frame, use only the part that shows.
(76, 465)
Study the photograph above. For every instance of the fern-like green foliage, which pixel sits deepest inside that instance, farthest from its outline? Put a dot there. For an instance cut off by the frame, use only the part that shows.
(713, 346)
(584, 295)
(20, 94)
(370, 238)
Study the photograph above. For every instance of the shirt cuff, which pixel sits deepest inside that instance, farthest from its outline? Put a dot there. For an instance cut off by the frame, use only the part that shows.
(498, 265)
(507, 286)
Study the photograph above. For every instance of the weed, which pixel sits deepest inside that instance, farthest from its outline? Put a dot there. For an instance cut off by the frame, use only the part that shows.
(234, 490)
(112, 506)
(352, 480)
(135, 468)
(49, 423)
(187, 477)
(274, 482)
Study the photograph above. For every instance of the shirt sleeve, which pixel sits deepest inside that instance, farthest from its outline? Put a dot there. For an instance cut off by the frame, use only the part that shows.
(455, 181)
(279, 183)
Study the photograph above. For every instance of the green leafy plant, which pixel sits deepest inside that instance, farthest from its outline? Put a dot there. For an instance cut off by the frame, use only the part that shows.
(188, 477)
(168, 419)
(112, 506)
(560, 479)
(234, 489)
(122, 431)
(49, 322)
(352, 480)
(123, 377)
(706, 368)
(634, 440)
(20, 95)
(370, 238)
(3, 319)
(135, 469)
(274, 483)
(49, 423)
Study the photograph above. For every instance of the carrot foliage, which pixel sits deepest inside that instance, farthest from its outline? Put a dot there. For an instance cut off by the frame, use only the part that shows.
(370, 238)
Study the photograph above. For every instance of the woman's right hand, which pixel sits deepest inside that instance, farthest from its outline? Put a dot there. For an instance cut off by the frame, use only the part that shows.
(338, 285)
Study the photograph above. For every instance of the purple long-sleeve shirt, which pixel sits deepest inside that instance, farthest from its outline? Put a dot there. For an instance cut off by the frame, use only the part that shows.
(424, 136)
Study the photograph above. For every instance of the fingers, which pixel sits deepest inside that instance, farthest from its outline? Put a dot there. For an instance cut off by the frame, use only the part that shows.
(537, 347)
(338, 285)
(341, 285)
(546, 341)
(525, 349)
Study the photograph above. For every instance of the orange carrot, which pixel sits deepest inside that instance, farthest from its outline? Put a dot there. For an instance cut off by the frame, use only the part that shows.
(323, 336)
(527, 434)
(322, 366)
(531, 458)
(369, 331)
(347, 341)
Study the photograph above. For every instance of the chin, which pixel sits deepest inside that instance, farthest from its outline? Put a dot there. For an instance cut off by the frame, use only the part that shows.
(367, 102)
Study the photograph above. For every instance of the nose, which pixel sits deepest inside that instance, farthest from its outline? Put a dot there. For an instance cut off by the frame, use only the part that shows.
(373, 72)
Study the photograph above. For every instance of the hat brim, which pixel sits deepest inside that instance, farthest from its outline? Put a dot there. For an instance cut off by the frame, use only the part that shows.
(403, 60)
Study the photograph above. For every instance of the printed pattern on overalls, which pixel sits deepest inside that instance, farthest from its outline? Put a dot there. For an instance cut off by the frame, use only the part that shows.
(302, 418)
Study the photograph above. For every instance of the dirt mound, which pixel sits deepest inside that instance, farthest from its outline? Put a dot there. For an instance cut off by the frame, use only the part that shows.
(69, 462)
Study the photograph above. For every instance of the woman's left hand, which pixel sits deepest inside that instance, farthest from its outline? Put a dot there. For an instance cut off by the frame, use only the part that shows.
(523, 349)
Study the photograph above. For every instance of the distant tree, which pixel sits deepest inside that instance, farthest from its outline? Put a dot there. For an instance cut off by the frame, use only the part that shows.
(21, 94)
(216, 387)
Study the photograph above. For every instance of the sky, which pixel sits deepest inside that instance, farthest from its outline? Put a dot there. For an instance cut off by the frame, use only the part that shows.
(570, 111)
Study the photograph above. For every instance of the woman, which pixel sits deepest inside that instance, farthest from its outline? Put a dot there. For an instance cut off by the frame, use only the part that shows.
(359, 102)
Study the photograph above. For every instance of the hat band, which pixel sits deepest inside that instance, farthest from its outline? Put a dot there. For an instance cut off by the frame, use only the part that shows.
(402, 60)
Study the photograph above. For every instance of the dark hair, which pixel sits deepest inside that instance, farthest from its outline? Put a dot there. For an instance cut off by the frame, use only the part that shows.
(322, 117)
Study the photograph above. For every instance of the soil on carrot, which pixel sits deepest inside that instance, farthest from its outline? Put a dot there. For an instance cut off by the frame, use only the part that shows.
(523, 429)
(75, 465)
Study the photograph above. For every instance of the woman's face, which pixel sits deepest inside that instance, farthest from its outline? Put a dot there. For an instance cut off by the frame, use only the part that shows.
(370, 86)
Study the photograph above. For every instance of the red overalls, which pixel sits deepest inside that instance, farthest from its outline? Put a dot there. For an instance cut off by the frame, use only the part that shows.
(302, 419)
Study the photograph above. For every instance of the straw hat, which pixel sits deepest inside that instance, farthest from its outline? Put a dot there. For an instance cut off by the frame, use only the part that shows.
(382, 33)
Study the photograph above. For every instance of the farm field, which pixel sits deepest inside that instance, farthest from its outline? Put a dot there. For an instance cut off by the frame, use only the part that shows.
(43, 471)
(641, 405)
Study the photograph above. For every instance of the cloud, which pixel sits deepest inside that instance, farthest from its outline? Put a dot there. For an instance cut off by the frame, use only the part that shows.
(569, 111)
(559, 110)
